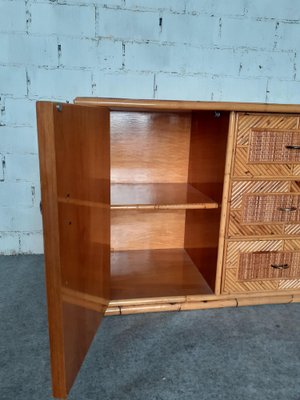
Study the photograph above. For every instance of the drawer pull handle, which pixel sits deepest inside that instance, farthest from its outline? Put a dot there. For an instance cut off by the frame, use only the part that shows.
(287, 209)
(293, 147)
(280, 266)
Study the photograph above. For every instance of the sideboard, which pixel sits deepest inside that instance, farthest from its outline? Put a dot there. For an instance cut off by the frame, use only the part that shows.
(153, 206)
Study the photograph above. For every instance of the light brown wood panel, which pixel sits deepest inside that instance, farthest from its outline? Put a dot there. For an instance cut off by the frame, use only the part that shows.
(83, 153)
(84, 234)
(201, 241)
(149, 147)
(73, 144)
(143, 104)
(141, 230)
(151, 273)
(80, 325)
(159, 196)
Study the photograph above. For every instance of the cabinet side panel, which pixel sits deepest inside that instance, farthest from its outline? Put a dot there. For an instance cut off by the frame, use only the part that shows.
(207, 152)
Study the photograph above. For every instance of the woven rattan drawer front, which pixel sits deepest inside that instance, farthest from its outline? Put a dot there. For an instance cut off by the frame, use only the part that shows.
(267, 145)
(271, 209)
(253, 208)
(248, 265)
(274, 146)
(269, 265)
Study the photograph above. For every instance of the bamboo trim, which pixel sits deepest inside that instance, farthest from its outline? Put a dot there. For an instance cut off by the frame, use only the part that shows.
(197, 298)
(225, 199)
(216, 302)
(194, 206)
(186, 105)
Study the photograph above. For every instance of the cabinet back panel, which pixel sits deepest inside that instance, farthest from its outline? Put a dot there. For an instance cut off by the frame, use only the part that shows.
(145, 230)
(149, 147)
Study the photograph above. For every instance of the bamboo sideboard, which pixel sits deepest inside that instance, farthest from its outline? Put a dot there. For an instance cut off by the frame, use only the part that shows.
(164, 206)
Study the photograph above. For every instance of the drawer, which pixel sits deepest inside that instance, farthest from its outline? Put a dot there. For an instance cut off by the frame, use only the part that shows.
(264, 208)
(258, 266)
(274, 146)
(269, 265)
(271, 209)
(267, 145)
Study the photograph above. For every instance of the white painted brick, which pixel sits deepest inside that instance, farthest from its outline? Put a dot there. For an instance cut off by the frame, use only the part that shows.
(271, 64)
(280, 9)
(175, 87)
(62, 19)
(243, 90)
(172, 5)
(20, 112)
(9, 243)
(247, 33)
(153, 57)
(103, 3)
(18, 140)
(13, 80)
(12, 16)
(217, 7)
(28, 49)
(59, 83)
(16, 219)
(131, 85)
(31, 243)
(285, 92)
(15, 194)
(128, 24)
(77, 52)
(199, 30)
(101, 53)
(288, 36)
(180, 59)
(22, 167)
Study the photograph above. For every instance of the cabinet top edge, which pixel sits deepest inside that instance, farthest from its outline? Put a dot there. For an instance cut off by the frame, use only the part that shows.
(181, 105)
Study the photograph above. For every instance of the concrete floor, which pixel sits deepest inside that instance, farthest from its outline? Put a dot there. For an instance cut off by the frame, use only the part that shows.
(227, 354)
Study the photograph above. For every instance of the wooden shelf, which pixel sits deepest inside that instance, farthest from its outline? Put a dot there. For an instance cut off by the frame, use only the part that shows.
(155, 273)
(159, 196)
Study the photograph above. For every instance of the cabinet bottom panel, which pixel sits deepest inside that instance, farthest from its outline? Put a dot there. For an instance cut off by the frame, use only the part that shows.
(155, 273)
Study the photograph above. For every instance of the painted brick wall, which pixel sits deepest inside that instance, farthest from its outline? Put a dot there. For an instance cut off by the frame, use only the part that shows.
(233, 50)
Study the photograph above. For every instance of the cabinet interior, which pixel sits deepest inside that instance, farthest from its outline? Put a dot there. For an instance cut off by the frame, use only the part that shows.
(167, 172)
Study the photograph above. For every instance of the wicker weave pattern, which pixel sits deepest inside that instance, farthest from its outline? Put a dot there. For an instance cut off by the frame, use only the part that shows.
(243, 169)
(271, 209)
(232, 267)
(239, 188)
(232, 285)
(268, 146)
(289, 284)
(261, 265)
(237, 229)
(292, 229)
(259, 159)
(234, 248)
(247, 122)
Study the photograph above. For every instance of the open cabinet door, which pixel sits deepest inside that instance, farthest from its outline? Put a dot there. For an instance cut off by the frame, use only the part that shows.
(75, 180)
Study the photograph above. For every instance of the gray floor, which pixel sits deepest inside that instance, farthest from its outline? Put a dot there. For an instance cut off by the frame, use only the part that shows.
(229, 354)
